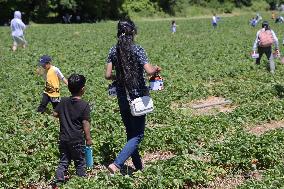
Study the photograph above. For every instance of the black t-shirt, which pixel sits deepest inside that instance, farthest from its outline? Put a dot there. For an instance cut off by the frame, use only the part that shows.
(72, 112)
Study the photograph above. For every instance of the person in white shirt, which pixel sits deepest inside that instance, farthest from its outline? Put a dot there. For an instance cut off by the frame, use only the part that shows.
(214, 21)
(174, 27)
(17, 29)
(266, 49)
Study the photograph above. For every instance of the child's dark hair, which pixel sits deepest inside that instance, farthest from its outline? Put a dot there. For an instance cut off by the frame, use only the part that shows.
(75, 83)
(173, 22)
(265, 25)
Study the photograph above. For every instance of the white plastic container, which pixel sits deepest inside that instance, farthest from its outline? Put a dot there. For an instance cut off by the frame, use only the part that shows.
(112, 90)
(255, 55)
(276, 55)
(156, 83)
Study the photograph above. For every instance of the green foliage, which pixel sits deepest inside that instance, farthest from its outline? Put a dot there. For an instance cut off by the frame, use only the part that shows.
(259, 5)
(273, 3)
(227, 7)
(272, 178)
(197, 62)
(93, 10)
(68, 4)
(238, 153)
(144, 7)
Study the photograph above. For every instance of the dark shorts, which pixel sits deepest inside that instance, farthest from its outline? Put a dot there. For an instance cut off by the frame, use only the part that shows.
(45, 100)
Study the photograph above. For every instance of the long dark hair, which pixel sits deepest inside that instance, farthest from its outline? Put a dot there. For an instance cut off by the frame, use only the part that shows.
(129, 73)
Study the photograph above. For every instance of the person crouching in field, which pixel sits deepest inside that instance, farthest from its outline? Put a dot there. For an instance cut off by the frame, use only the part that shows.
(74, 118)
(265, 38)
(51, 75)
(253, 22)
(17, 28)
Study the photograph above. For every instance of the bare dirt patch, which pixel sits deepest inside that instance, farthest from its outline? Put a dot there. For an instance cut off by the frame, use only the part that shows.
(209, 106)
(153, 156)
(159, 155)
(190, 18)
(40, 185)
(260, 129)
(96, 169)
(224, 183)
(231, 182)
(147, 158)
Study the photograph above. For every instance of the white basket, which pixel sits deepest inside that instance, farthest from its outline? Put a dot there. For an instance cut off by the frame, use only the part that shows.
(255, 56)
(112, 91)
(276, 55)
(156, 85)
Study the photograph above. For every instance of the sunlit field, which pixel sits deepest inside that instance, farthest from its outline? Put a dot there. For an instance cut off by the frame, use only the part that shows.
(235, 144)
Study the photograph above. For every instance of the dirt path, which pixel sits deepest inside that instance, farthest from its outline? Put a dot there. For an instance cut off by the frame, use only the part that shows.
(263, 128)
(191, 17)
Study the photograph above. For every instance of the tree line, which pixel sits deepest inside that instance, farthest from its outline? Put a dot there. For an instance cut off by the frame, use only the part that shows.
(44, 11)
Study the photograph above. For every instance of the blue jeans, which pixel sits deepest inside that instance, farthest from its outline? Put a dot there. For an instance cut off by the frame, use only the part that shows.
(135, 126)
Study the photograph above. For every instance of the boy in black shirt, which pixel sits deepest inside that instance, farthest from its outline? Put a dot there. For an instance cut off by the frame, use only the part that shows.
(74, 118)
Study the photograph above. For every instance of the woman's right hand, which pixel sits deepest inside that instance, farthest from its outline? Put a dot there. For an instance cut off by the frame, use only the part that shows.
(151, 70)
(158, 69)
(89, 142)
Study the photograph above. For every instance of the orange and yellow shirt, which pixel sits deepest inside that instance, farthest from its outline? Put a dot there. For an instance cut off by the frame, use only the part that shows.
(52, 82)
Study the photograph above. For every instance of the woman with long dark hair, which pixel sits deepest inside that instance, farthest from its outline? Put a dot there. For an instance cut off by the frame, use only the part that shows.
(130, 63)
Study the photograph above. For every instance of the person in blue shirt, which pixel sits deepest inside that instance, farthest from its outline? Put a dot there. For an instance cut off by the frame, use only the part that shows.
(253, 22)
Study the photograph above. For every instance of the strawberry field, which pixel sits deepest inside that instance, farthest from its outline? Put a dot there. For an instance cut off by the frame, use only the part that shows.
(181, 148)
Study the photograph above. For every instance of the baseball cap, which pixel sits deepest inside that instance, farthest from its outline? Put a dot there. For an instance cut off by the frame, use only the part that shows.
(44, 60)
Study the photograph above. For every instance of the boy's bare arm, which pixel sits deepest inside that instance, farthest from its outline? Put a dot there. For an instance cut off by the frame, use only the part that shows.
(86, 126)
(65, 81)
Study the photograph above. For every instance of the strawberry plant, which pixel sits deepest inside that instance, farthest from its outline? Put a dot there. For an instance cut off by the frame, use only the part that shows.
(198, 62)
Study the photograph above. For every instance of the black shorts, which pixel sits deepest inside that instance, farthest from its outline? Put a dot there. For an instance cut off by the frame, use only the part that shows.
(45, 100)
